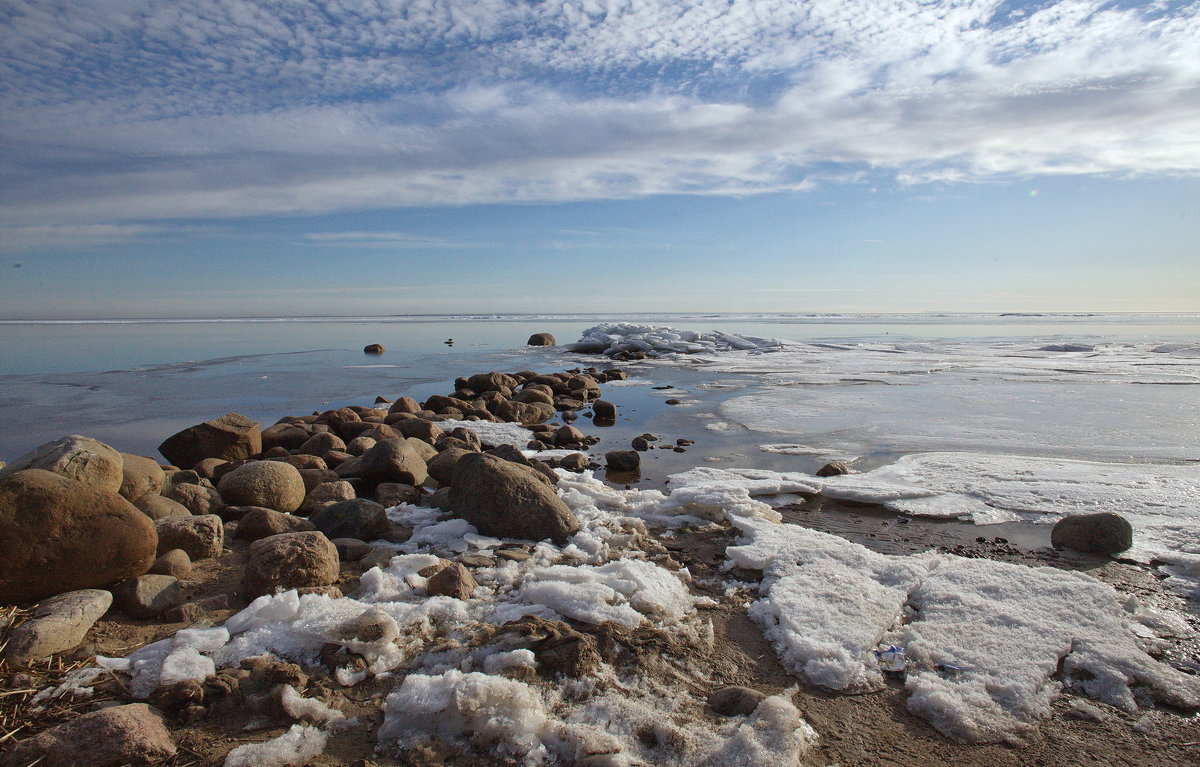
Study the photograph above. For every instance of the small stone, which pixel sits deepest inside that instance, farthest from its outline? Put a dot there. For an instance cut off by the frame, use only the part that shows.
(175, 563)
(574, 462)
(515, 555)
(833, 469)
(623, 460)
(453, 581)
(269, 484)
(147, 596)
(477, 560)
(734, 701)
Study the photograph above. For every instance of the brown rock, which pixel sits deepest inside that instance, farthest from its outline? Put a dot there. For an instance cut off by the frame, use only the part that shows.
(140, 476)
(568, 435)
(80, 458)
(58, 624)
(373, 349)
(158, 507)
(200, 536)
(288, 561)
(119, 735)
(488, 381)
(356, 518)
(198, 499)
(392, 460)
(604, 409)
(441, 467)
(303, 461)
(734, 701)
(58, 535)
(208, 467)
(526, 413)
(623, 460)
(418, 428)
(326, 493)
(833, 469)
(261, 523)
(175, 563)
(289, 436)
(147, 596)
(507, 500)
(390, 494)
(230, 437)
(453, 580)
(269, 484)
(574, 462)
(541, 339)
(322, 443)
(405, 405)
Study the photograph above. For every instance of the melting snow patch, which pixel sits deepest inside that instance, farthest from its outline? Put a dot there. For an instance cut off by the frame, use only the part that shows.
(656, 340)
(296, 746)
(982, 638)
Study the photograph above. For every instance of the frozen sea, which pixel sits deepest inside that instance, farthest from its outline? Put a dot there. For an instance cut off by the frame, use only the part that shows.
(982, 417)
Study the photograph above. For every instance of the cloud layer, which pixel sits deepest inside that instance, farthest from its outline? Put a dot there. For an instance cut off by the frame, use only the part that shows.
(126, 112)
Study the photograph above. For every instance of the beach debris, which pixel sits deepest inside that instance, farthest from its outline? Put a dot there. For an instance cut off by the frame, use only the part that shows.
(892, 659)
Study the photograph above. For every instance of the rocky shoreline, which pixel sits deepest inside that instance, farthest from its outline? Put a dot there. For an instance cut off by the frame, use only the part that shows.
(475, 493)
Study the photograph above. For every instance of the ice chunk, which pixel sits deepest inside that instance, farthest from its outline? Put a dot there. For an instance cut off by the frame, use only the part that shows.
(296, 746)
(490, 710)
(656, 340)
(185, 663)
(622, 591)
(297, 706)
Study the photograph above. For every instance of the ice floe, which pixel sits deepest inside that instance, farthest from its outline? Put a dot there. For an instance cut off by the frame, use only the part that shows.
(658, 340)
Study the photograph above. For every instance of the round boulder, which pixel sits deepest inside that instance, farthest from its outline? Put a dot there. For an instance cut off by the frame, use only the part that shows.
(58, 535)
(507, 500)
(200, 537)
(198, 499)
(355, 518)
(140, 476)
(270, 484)
(373, 349)
(289, 561)
(260, 523)
(541, 339)
(75, 457)
(1103, 533)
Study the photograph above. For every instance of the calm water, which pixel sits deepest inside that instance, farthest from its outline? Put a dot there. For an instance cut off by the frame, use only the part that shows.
(134, 383)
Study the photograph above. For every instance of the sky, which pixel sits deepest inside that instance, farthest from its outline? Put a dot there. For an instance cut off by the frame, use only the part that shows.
(233, 158)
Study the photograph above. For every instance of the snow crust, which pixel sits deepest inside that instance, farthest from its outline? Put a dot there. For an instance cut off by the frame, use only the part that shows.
(296, 746)
(982, 638)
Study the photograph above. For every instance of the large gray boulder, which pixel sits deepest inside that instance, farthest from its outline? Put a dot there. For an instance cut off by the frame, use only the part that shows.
(132, 734)
(507, 500)
(58, 624)
(80, 458)
(230, 437)
(1103, 533)
(289, 561)
(270, 484)
(58, 534)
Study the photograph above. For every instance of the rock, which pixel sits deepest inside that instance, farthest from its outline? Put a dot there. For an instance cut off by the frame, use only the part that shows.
(510, 453)
(262, 523)
(833, 469)
(541, 339)
(440, 499)
(140, 476)
(326, 493)
(574, 462)
(734, 701)
(176, 477)
(270, 484)
(303, 462)
(640, 444)
(59, 535)
(1103, 533)
(419, 428)
(158, 507)
(507, 500)
(58, 624)
(190, 612)
(469, 436)
(389, 494)
(230, 437)
(175, 563)
(373, 349)
(441, 467)
(405, 405)
(147, 596)
(360, 445)
(356, 518)
(198, 499)
(623, 460)
(525, 413)
(80, 458)
(604, 409)
(453, 580)
(289, 436)
(568, 435)
(483, 382)
(321, 443)
(536, 394)
(200, 536)
(392, 460)
(132, 734)
(288, 561)
(351, 549)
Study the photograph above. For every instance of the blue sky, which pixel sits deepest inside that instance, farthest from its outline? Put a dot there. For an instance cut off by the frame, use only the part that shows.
(438, 156)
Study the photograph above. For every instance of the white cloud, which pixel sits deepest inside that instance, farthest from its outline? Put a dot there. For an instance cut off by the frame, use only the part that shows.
(137, 111)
